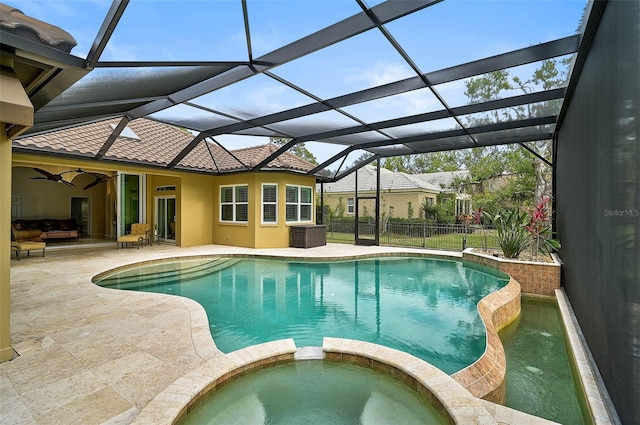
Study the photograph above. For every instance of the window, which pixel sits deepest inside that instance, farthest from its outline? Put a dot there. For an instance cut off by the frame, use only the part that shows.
(234, 203)
(350, 206)
(299, 203)
(269, 203)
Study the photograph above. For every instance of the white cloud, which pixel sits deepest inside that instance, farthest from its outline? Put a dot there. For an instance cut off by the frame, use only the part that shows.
(379, 74)
(121, 52)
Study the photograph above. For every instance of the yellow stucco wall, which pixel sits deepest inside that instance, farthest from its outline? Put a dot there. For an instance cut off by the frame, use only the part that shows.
(194, 210)
(398, 199)
(236, 234)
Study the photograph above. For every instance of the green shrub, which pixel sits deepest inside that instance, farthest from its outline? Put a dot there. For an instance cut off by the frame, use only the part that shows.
(511, 231)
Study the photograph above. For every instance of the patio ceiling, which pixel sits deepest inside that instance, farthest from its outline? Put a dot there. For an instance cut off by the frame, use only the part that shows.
(209, 97)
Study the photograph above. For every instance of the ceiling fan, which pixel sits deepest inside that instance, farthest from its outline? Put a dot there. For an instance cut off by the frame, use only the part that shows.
(53, 177)
(99, 178)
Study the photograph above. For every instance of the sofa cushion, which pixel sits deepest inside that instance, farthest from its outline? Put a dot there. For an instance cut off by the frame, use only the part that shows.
(22, 224)
(47, 224)
(66, 225)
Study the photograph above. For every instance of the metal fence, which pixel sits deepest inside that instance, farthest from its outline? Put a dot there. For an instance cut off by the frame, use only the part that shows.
(452, 237)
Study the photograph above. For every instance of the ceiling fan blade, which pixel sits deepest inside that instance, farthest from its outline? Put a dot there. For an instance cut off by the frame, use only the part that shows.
(45, 172)
(78, 170)
(68, 183)
(38, 178)
(90, 185)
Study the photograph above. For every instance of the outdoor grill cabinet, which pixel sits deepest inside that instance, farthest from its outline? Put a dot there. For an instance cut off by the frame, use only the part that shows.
(307, 236)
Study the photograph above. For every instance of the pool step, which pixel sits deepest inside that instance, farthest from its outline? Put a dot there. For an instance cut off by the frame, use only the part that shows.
(164, 274)
(309, 353)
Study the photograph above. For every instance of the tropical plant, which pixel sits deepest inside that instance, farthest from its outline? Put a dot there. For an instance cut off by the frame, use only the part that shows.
(511, 231)
(477, 216)
(540, 230)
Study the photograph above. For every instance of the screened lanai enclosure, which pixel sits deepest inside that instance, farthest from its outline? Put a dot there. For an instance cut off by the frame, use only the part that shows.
(374, 80)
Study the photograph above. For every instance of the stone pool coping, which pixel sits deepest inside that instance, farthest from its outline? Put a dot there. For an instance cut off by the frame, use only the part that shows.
(485, 378)
(456, 404)
(590, 381)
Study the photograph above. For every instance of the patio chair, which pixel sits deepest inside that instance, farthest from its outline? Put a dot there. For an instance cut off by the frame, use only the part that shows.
(140, 235)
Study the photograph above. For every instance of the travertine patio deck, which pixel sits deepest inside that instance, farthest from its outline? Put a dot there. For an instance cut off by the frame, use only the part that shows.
(89, 355)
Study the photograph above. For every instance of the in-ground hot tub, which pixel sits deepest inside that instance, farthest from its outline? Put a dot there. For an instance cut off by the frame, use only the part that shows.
(313, 392)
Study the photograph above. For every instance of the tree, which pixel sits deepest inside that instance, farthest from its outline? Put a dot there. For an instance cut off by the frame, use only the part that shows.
(365, 155)
(423, 163)
(340, 209)
(298, 150)
(436, 161)
(397, 163)
(551, 74)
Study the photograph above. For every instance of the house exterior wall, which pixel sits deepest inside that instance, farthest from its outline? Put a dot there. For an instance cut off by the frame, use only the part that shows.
(197, 201)
(397, 199)
(255, 234)
(194, 210)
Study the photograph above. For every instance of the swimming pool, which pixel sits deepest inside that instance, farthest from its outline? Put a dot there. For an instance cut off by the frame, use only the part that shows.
(423, 306)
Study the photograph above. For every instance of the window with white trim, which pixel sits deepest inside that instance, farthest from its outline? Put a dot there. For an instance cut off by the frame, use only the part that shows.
(234, 203)
(351, 206)
(299, 202)
(269, 203)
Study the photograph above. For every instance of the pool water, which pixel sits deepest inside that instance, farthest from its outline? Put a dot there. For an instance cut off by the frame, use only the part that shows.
(540, 377)
(313, 392)
(426, 307)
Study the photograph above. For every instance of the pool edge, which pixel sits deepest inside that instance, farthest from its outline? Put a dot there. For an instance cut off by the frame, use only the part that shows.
(485, 378)
(595, 393)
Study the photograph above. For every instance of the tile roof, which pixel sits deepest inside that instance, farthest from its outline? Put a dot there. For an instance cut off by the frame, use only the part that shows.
(443, 179)
(158, 144)
(16, 22)
(389, 180)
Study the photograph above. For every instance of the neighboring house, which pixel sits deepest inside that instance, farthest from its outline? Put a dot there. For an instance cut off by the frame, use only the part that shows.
(207, 198)
(450, 183)
(397, 190)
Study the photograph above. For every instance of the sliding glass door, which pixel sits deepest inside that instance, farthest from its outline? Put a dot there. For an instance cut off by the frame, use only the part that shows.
(131, 201)
(165, 217)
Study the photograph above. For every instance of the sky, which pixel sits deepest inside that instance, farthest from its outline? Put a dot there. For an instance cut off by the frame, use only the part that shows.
(448, 33)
